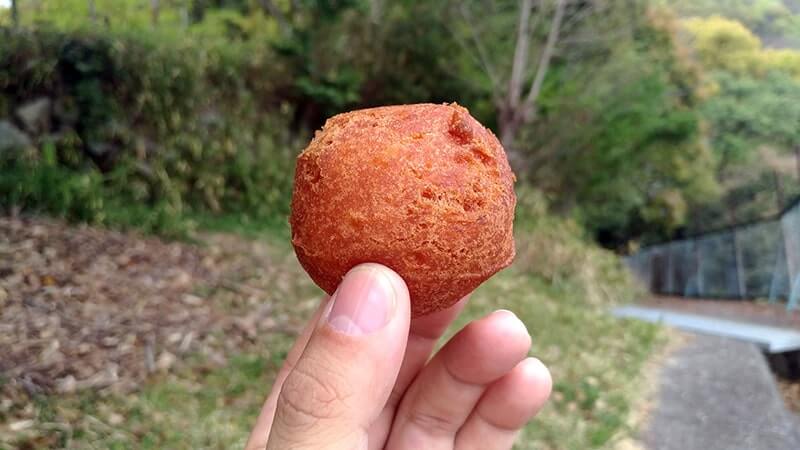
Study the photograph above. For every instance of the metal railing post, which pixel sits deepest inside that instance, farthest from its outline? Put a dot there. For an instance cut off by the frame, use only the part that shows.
(739, 261)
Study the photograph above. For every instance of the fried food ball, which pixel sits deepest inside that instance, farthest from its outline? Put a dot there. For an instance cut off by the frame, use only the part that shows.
(423, 189)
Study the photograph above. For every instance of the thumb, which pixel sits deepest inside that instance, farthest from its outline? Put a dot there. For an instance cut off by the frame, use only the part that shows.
(344, 377)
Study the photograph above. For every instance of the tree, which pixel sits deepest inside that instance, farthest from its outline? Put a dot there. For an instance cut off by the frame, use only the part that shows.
(625, 147)
(14, 13)
(783, 60)
(514, 109)
(776, 22)
(92, 11)
(271, 9)
(727, 45)
(724, 44)
(515, 84)
(596, 105)
(752, 118)
(748, 113)
(754, 130)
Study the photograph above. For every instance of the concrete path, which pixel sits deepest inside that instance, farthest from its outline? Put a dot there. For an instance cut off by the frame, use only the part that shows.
(718, 394)
(771, 339)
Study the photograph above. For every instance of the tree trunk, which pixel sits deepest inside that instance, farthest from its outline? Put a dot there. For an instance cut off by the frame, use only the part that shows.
(509, 124)
(375, 11)
(273, 10)
(732, 211)
(506, 124)
(791, 246)
(185, 17)
(520, 56)
(515, 111)
(546, 57)
(155, 11)
(701, 288)
(779, 196)
(14, 13)
(508, 130)
(92, 11)
(741, 279)
(797, 160)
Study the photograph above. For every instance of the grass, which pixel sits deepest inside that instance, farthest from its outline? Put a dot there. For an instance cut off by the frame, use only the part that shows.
(274, 229)
(595, 361)
(193, 408)
(39, 184)
(560, 285)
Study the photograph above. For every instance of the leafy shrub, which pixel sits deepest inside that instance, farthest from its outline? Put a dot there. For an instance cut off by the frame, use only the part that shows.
(559, 251)
(41, 184)
(168, 126)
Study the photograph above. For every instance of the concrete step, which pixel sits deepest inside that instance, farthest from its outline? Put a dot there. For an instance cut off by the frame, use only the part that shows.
(769, 339)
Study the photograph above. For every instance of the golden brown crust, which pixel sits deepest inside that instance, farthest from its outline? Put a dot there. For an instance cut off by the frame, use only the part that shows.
(423, 189)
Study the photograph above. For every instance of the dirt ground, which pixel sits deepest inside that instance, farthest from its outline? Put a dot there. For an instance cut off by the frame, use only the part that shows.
(790, 390)
(86, 308)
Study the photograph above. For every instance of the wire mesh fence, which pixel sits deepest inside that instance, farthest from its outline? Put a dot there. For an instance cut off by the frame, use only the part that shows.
(753, 261)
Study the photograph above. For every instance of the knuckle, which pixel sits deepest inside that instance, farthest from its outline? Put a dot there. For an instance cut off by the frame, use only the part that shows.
(433, 422)
(310, 395)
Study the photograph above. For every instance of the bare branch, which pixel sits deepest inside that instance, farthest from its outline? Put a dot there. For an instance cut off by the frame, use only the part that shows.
(14, 13)
(621, 32)
(472, 53)
(375, 11)
(155, 11)
(271, 9)
(483, 58)
(452, 71)
(92, 11)
(546, 56)
(520, 54)
(576, 18)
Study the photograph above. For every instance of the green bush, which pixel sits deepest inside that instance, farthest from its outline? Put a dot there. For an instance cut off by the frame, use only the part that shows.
(559, 252)
(41, 184)
(172, 127)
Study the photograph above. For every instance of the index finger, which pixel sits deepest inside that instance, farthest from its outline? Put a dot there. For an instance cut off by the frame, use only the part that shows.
(423, 334)
(258, 437)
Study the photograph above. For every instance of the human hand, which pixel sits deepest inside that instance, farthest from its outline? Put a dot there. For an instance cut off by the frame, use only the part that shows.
(359, 376)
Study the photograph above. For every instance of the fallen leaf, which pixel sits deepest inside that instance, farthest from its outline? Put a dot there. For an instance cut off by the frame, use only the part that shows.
(21, 425)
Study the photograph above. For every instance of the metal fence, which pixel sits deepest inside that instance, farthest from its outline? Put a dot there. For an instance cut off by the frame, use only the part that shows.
(754, 261)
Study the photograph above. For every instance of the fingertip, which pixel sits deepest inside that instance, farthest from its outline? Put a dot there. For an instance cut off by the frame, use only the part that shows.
(511, 325)
(509, 403)
(537, 375)
(511, 319)
(393, 278)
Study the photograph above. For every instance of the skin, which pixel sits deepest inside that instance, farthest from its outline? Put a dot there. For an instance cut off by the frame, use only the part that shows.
(361, 376)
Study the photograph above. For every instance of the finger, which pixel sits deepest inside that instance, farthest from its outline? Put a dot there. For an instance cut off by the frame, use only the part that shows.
(342, 380)
(258, 437)
(425, 332)
(441, 398)
(506, 407)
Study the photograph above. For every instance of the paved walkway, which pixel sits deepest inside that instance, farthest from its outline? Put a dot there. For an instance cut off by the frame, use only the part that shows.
(771, 339)
(718, 394)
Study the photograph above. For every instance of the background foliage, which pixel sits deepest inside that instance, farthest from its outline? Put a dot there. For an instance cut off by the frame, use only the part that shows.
(652, 119)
